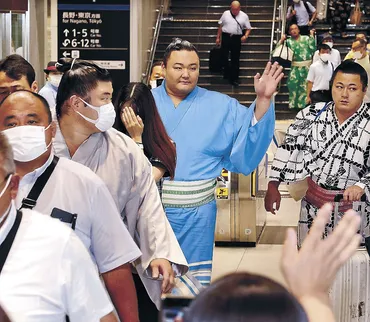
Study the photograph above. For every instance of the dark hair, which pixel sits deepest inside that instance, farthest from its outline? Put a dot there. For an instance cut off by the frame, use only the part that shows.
(178, 44)
(245, 297)
(80, 77)
(323, 46)
(15, 67)
(156, 141)
(44, 102)
(157, 63)
(350, 67)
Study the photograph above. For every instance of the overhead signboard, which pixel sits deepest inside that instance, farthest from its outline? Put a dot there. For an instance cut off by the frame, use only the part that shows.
(96, 31)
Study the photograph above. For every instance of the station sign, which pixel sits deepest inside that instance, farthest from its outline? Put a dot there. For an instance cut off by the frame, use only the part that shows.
(98, 31)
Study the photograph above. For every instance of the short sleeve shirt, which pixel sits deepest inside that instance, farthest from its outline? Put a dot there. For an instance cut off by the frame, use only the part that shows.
(74, 188)
(229, 24)
(49, 274)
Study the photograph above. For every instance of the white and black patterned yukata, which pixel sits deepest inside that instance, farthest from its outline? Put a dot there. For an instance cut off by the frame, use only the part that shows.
(335, 156)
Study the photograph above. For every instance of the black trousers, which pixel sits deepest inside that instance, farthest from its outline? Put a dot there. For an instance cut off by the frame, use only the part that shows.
(304, 30)
(147, 310)
(320, 96)
(231, 44)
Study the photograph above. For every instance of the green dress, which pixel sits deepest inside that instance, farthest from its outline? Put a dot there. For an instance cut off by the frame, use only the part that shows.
(303, 48)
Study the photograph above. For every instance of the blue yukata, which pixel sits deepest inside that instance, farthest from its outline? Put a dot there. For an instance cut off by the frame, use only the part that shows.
(211, 131)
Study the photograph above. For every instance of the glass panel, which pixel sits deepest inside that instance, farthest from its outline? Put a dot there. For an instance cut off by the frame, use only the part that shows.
(17, 34)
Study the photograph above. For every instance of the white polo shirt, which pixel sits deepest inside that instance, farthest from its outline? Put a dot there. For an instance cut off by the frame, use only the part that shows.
(49, 274)
(230, 26)
(74, 188)
(303, 17)
(320, 75)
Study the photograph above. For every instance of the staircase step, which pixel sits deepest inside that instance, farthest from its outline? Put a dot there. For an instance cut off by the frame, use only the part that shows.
(266, 24)
(255, 47)
(209, 38)
(244, 53)
(173, 28)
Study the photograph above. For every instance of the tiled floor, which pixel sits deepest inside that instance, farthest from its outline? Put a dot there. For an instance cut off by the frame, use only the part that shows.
(263, 259)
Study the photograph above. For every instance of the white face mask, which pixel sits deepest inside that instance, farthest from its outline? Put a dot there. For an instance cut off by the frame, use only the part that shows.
(296, 1)
(330, 44)
(325, 57)
(357, 55)
(4, 215)
(28, 142)
(55, 80)
(106, 116)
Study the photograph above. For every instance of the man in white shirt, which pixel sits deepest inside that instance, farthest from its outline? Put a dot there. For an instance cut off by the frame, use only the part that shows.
(45, 272)
(319, 76)
(26, 120)
(361, 56)
(299, 13)
(334, 57)
(234, 29)
(50, 90)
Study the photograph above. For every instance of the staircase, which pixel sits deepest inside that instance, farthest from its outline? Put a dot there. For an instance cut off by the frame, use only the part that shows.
(197, 22)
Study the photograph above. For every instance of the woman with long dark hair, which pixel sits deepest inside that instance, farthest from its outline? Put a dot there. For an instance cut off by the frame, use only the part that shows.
(138, 117)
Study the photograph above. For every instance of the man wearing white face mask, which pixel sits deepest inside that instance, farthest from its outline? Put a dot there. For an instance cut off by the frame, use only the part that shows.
(361, 57)
(61, 188)
(34, 247)
(50, 90)
(335, 57)
(85, 117)
(319, 75)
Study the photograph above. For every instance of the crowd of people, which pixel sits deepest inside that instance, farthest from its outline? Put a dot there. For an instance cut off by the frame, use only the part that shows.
(132, 182)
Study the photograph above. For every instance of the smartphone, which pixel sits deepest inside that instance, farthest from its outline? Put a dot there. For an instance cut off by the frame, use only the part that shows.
(173, 308)
(65, 216)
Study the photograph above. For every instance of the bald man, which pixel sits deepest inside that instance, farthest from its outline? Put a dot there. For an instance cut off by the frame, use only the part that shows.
(234, 29)
(25, 119)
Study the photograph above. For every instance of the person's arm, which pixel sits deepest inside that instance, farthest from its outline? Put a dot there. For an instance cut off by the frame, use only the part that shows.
(309, 89)
(109, 318)
(121, 288)
(158, 173)
(83, 292)
(114, 250)
(250, 140)
(265, 86)
(219, 33)
(314, 15)
(248, 30)
(318, 261)
(290, 13)
(133, 123)
(161, 250)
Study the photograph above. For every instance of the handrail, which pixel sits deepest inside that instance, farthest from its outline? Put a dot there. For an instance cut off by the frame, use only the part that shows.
(283, 7)
(146, 76)
(273, 26)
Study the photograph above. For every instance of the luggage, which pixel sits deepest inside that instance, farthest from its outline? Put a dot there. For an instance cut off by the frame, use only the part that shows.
(283, 55)
(350, 292)
(215, 60)
(339, 208)
(356, 16)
